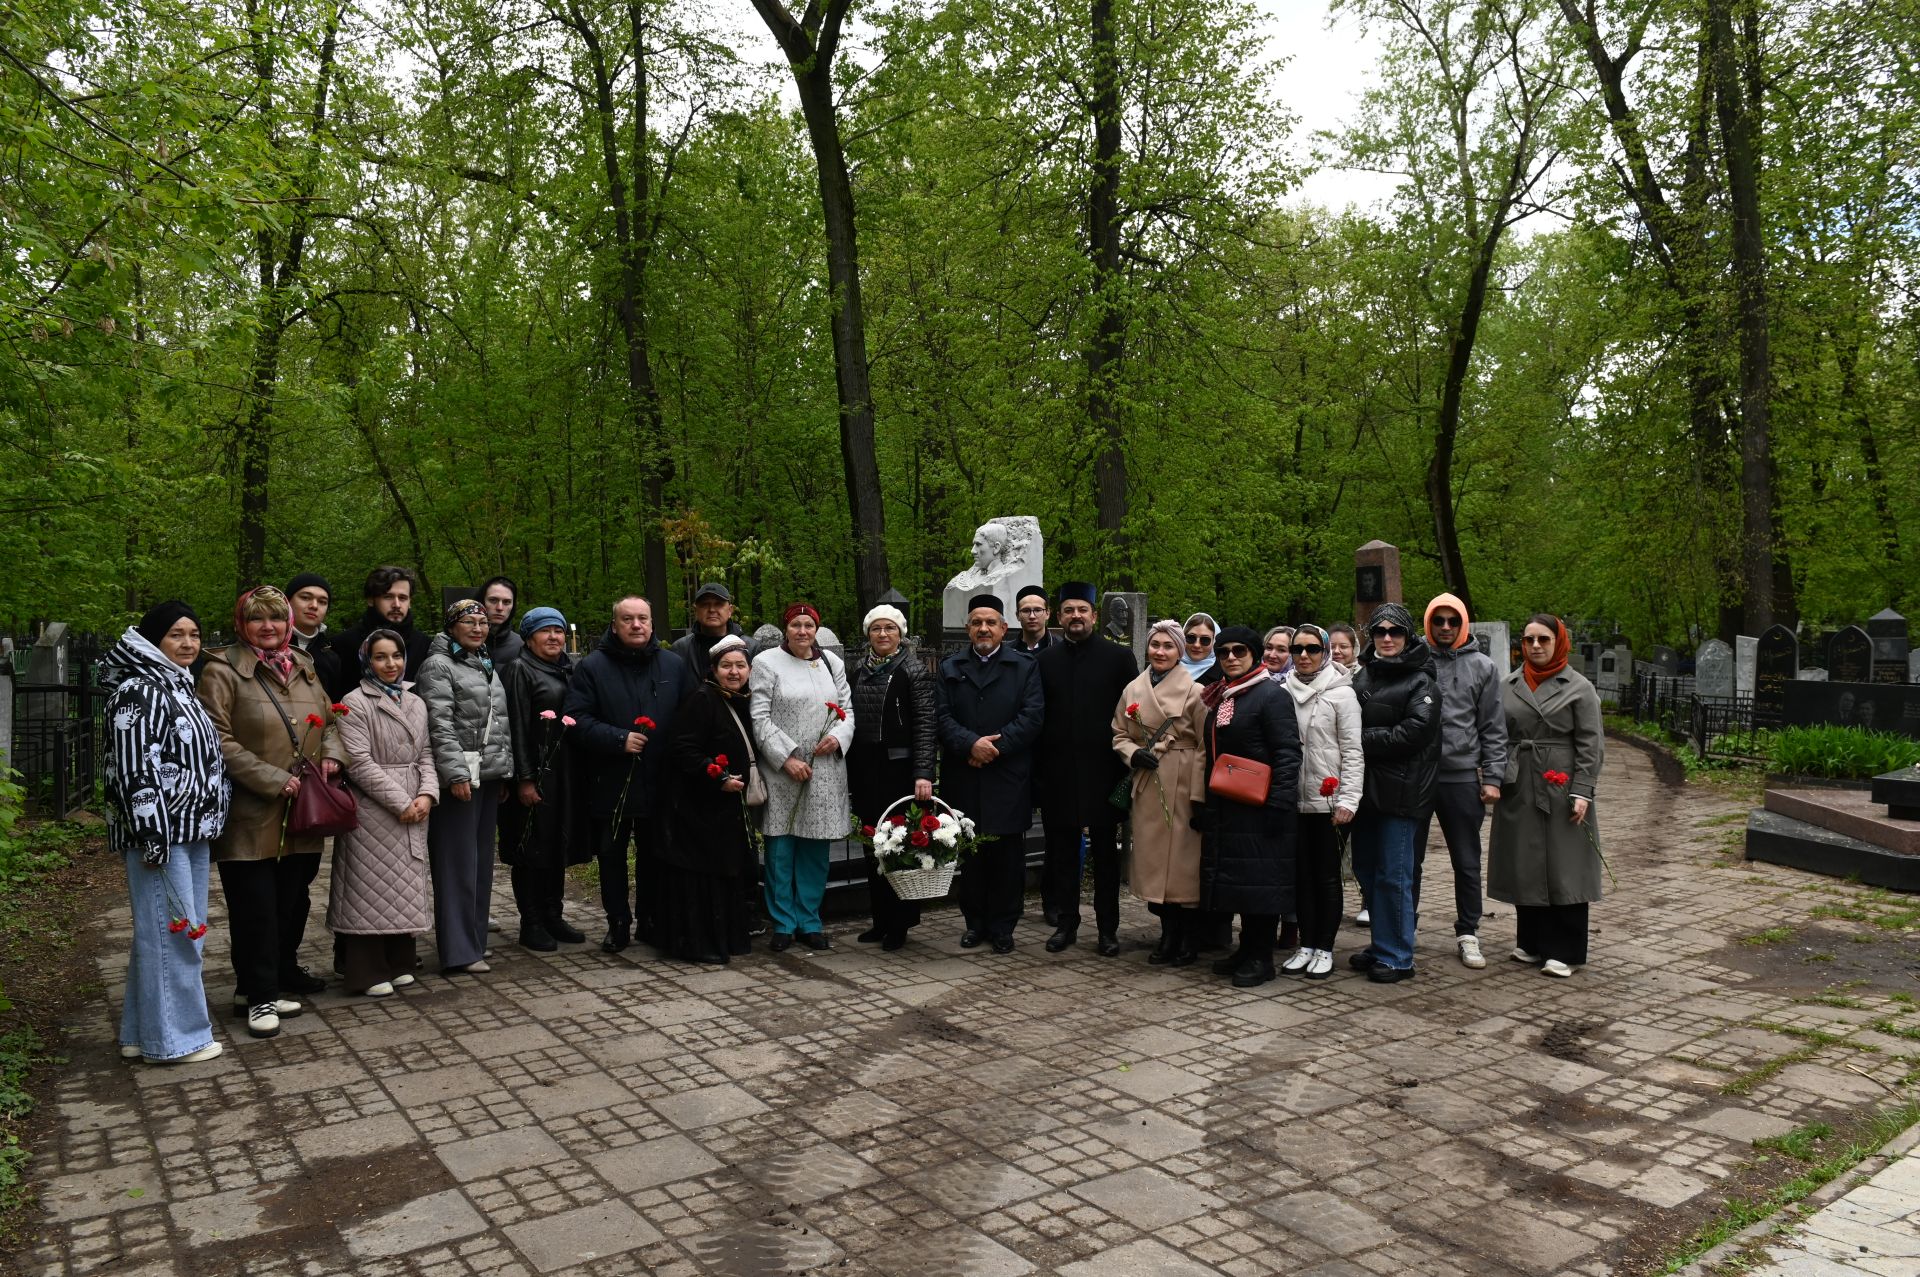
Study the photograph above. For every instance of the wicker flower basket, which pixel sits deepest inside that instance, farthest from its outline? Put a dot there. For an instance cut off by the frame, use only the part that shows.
(920, 884)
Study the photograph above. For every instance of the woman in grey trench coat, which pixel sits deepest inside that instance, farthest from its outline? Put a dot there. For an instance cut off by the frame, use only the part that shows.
(473, 753)
(378, 899)
(1544, 857)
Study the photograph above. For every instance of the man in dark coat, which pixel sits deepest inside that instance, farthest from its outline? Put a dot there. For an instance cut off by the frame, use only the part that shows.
(626, 679)
(504, 645)
(989, 707)
(1082, 679)
(311, 598)
(389, 599)
(712, 621)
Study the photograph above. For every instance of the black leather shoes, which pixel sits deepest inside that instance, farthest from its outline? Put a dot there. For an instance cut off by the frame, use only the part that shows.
(1360, 960)
(1252, 973)
(618, 938)
(301, 980)
(815, 940)
(1051, 914)
(897, 940)
(970, 939)
(1109, 946)
(1229, 964)
(872, 935)
(1184, 958)
(534, 936)
(563, 931)
(1389, 975)
(1003, 944)
(781, 942)
(1061, 939)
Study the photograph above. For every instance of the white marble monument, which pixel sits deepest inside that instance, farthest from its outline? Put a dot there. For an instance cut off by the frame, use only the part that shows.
(1007, 554)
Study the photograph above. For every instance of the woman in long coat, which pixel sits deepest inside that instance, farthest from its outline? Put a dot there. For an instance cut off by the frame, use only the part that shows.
(1544, 855)
(378, 898)
(708, 863)
(1160, 743)
(539, 836)
(264, 697)
(803, 727)
(1246, 859)
(473, 753)
(896, 748)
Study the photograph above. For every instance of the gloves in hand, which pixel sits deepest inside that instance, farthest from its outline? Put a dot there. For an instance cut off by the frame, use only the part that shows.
(156, 856)
(1202, 822)
(1146, 760)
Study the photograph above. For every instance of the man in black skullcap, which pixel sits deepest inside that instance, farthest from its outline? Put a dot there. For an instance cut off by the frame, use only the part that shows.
(310, 598)
(990, 707)
(1082, 678)
(1031, 611)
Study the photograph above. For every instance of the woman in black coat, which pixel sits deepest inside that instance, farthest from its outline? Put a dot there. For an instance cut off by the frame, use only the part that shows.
(539, 836)
(708, 862)
(1246, 855)
(894, 754)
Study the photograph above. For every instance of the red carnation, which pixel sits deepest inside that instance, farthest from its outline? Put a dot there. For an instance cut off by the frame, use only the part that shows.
(1133, 710)
(339, 707)
(1330, 786)
(1556, 778)
(644, 723)
(866, 831)
(837, 711)
(197, 932)
(721, 759)
(919, 838)
(899, 821)
(715, 771)
(314, 720)
(929, 822)
(177, 925)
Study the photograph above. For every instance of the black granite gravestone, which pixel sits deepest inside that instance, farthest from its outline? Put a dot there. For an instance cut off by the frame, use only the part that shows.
(1888, 630)
(1776, 660)
(1850, 656)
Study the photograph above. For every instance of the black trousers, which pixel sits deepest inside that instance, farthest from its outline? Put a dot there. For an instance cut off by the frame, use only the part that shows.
(1060, 876)
(267, 910)
(1316, 879)
(643, 832)
(369, 960)
(1552, 931)
(891, 915)
(1461, 813)
(538, 891)
(992, 887)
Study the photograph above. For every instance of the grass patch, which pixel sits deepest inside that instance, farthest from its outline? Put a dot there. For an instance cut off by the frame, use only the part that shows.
(1833, 1000)
(1821, 1161)
(1843, 753)
(1772, 935)
(20, 1053)
(1744, 1084)
(1894, 1030)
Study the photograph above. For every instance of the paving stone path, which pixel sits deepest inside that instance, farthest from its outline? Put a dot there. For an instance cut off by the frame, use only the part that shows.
(1873, 1230)
(934, 1111)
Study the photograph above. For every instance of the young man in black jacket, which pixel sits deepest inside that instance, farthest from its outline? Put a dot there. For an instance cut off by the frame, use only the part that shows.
(389, 606)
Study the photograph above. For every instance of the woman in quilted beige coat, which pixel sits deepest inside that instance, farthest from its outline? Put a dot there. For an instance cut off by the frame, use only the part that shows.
(380, 898)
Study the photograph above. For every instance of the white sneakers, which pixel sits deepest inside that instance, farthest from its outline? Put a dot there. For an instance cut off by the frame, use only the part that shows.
(1320, 966)
(1521, 955)
(401, 981)
(210, 1051)
(1555, 967)
(263, 1021)
(129, 1052)
(382, 990)
(1298, 962)
(285, 1008)
(1363, 919)
(1470, 955)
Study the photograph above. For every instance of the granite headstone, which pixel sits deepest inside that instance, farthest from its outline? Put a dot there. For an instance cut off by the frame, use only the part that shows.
(1871, 706)
(1850, 656)
(1713, 670)
(1666, 660)
(1743, 649)
(1123, 618)
(1376, 580)
(1888, 630)
(1496, 640)
(1776, 662)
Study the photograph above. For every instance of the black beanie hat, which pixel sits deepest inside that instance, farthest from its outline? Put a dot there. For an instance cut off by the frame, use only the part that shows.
(161, 617)
(306, 579)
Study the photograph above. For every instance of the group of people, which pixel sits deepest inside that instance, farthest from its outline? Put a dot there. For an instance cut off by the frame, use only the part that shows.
(1241, 764)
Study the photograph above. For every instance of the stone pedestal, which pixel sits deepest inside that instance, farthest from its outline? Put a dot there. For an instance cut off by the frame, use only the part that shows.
(1497, 642)
(1744, 647)
(1376, 580)
(1123, 618)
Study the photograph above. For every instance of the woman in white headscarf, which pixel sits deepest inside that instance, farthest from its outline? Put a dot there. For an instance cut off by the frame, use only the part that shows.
(895, 753)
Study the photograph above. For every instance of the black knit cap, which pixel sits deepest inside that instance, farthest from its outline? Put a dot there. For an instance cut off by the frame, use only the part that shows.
(1029, 590)
(1238, 634)
(161, 617)
(306, 579)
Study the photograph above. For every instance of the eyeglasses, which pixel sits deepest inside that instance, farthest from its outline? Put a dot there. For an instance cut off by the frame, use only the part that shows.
(1032, 611)
(1232, 650)
(1307, 649)
(1200, 640)
(1531, 639)
(1388, 631)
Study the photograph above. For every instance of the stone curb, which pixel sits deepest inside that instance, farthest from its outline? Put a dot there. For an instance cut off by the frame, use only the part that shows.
(1894, 1149)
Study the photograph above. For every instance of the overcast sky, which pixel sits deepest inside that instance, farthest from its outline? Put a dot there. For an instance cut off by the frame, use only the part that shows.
(1326, 65)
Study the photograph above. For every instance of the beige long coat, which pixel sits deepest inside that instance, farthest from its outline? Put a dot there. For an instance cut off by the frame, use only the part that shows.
(380, 885)
(1536, 854)
(258, 752)
(1166, 850)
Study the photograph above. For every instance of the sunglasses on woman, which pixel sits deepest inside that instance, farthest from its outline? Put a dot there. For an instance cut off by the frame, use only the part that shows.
(1200, 640)
(1388, 631)
(1543, 639)
(1306, 649)
(1233, 650)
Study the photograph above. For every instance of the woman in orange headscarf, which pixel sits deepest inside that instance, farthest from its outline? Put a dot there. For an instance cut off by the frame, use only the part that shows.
(1544, 857)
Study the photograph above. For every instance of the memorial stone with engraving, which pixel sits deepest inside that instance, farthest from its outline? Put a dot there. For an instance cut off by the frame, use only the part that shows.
(1888, 630)
(1713, 670)
(1376, 580)
(1123, 618)
(1743, 649)
(1666, 660)
(1776, 662)
(1496, 640)
(1850, 656)
(1008, 553)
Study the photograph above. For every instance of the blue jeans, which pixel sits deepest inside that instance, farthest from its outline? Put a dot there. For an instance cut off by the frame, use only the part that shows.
(165, 1013)
(1383, 863)
(796, 883)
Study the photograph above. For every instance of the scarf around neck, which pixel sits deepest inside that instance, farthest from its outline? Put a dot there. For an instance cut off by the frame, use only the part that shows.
(1562, 647)
(1224, 690)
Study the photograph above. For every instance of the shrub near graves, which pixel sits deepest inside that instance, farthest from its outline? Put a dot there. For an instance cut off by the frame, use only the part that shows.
(1842, 753)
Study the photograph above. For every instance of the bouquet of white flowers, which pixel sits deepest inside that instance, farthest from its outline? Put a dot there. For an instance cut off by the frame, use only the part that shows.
(919, 849)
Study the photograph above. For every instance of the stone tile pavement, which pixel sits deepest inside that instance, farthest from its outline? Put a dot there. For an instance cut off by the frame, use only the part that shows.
(936, 1111)
(1872, 1228)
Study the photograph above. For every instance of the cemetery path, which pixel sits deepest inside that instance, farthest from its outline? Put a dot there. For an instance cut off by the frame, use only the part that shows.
(937, 1111)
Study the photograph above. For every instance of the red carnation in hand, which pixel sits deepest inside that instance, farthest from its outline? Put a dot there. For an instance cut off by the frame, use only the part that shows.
(919, 838)
(1133, 710)
(837, 711)
(644, 723)
(715, 771)
(1330, 786)
(929, 822)
(314, 720)
(177, 925)
(866, 831)
(1556, 778)
(197, 932)
(339, 708)
(721, 759)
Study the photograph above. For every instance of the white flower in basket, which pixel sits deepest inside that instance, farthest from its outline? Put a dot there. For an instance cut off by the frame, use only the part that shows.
(920, 848)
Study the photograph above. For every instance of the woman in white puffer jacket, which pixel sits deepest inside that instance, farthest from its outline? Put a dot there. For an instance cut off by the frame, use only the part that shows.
(1331, 774)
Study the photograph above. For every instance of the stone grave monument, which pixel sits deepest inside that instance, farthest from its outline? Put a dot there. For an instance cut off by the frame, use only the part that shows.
(1850, 656)
(1123, 618)
(1007, 553)
(1743, 650)
(1776, 662)
(1666, 660)
(1888, 630)
(1713, 670)
(1872, 835)
(1496, 640)
(1376, 580)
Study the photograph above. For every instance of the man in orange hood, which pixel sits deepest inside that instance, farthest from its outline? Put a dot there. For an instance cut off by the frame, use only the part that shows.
(1473, 757)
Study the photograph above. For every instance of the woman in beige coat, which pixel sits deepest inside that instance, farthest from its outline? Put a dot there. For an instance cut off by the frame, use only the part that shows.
(381, 898)
(264, 698)
(1156, 729)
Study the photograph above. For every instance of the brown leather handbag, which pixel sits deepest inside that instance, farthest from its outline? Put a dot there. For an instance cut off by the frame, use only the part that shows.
(1237, 779)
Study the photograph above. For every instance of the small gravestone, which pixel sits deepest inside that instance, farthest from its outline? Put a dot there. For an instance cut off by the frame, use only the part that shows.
(1913, 666)
(1713, 670)
(1590, 661)
(1376, 580)
(6, 717)
(1869, 706)
(763, 638)
(1497, 642)
(1743, 649)
(1888, 630)
(1667, 661)
(1776, 662)
(1850, 656)
(827, 640)
(1123, 618)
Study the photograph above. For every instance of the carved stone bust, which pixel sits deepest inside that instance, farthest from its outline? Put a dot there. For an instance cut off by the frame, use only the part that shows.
(1007, 554)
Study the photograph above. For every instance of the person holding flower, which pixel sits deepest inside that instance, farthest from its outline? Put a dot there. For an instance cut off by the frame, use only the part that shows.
(1332, 778)
(802, 727)
(707, 864)
(896, 750)
(1156, 732)
(378, 898)
(537, 835)
(264, 699)
(167, 795)
(467, 718)
(1544, 856)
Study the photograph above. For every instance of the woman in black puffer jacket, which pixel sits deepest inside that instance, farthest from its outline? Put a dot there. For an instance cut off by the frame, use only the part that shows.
(1246, 856)
(1400, 740)
(895, 752)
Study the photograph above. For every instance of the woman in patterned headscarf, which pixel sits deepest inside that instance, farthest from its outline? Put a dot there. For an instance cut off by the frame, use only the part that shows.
(467, 719)
(265, 699)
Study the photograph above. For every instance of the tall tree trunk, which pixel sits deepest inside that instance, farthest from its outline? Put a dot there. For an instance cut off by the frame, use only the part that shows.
(1739, 140)
(809, 46)
(1108, 346)
(1446, 430)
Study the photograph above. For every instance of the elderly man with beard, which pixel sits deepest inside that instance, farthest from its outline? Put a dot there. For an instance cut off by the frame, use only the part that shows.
(989, 708)
(1081, 678)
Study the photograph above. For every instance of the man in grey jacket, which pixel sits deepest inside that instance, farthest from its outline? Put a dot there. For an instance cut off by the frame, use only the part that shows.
(1473, 758)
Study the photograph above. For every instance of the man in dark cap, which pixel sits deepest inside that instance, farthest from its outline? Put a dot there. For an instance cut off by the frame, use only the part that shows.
(310, 598)
(1030, 609)
(712, 621)
(1082, 678)
(990, 707)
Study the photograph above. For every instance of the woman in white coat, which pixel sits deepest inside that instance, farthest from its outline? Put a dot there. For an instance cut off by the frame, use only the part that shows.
(803, 726)
(1331, 774)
